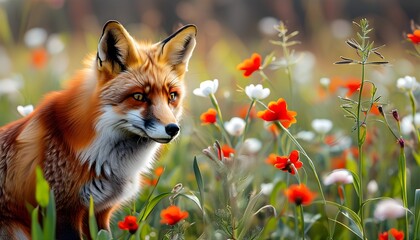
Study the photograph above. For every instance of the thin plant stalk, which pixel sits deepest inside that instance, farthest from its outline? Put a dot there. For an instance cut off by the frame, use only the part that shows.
(220, 118)
(413, 112)
(360, 141)
(247, 119)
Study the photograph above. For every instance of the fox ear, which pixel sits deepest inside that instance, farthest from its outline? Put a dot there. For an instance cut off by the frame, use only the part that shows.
(116, 48)
(177, 48)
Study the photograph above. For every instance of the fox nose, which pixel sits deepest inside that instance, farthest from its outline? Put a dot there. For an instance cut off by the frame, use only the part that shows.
(172, 129)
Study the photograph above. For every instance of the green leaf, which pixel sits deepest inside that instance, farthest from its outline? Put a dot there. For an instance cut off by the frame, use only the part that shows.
(103, 235)
(247, 218)
(50, 219)
(151, 205)
(357, 233)
(199, 180)
(36, 231)
(417, 214)
(42, 189)
(93, 226)
(193, 198)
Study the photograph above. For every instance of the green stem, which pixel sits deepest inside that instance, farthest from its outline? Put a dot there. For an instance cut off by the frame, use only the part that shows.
(301, 222)
(403, 178)
(247, 120)
(360, 141)
(413, 112)
(220, 119)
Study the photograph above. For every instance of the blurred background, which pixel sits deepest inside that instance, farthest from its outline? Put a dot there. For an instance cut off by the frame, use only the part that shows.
(43, 43)
(229, 30)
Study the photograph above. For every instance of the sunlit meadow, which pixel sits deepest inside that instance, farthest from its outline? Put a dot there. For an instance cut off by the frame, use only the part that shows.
(276, 143)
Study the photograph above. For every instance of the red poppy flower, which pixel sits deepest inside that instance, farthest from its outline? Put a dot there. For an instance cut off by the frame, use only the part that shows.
(383, 236)
(227, 150)
(278, 111)
(352, 86)
(285, 163)
(299, 194)
(250, 65)
(209, 117)
(39, 57)
(398, 235)
(414, 37)
(129, 223)
(172, 215)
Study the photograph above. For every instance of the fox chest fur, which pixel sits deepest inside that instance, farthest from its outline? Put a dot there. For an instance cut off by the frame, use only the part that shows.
(96, 137)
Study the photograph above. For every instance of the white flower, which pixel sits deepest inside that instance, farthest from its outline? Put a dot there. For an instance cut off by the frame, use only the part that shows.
(54, 44)
(306, 135)
(235, 126)
(267, 188)
(10, 86)
(372, 187)
(340, 176)
(25, 110)
(388, 209)
(35, 37)
(407, 83)
(322, 126)
(407, 123)
(252, 145)
(206, 88)
(256, 92)
(325, 82)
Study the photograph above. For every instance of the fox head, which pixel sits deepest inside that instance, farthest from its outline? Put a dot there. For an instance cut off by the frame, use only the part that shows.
(141, 85)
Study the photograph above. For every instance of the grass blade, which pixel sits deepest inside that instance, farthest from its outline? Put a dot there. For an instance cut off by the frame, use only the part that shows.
(93, 226)
(199, 180)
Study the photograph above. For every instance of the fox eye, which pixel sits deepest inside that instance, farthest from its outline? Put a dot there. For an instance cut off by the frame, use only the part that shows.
(173, 96)
(139, 97)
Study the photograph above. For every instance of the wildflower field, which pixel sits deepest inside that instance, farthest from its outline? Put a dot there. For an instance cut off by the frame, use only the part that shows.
(276, 143)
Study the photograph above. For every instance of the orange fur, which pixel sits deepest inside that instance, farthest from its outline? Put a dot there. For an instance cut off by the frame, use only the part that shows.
(95, 137)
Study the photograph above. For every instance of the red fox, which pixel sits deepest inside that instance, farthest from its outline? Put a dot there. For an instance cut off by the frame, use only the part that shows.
(95, 137)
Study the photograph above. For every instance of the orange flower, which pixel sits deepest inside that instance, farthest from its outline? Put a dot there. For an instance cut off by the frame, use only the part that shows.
(39, 57)
(271, 159)
(152, 181)
(414, 37)
(209, 117)
(299, 194)
(243, 111)
(159, 171)
(250, 65)
(227, 150)
(398, 235)
(273, 129)
(129, 223)
(285, 163)
(383, 236)
(374, 109)
(352, 86)
(172, 215)
(339, 161)
(278, 111)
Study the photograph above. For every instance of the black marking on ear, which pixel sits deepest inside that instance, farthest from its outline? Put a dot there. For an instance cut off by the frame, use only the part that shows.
(181, 53)
(99, 59)
(113, 52)
(166, 40)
